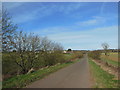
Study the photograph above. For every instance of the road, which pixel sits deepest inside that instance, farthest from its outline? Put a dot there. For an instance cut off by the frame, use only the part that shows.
(76, 75)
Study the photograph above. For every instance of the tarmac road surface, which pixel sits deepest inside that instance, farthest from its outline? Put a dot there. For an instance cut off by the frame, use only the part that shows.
(76, 75)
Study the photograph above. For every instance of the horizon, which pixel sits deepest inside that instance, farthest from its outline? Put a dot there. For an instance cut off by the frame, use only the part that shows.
(91, 49)
(78, 25)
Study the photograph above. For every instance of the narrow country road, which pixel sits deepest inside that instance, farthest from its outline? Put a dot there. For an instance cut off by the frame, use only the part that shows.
(74, 76)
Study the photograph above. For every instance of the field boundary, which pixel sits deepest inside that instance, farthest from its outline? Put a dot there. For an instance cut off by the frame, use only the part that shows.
(108, 68)
(102, 78)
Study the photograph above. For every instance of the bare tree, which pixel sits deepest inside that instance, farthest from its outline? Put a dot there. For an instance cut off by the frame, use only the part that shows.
(8, 32)
(26, 56)
(57, 47)
(22, 47)
(45, 44)
(34, 46)
(105, 47)
(35, 42)
(26, 46)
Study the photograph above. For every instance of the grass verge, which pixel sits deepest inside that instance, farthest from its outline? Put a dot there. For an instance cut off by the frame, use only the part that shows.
(114, 63)
(23, 80)
(102, 78)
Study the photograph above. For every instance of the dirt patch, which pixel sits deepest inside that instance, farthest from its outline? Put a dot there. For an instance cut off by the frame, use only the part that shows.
(109, 68)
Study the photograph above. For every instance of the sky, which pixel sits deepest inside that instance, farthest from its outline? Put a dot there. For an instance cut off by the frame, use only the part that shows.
(76, 25)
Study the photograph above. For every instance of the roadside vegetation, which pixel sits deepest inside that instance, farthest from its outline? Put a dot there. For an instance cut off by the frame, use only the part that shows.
(25, 79)
(102, 78)
(102, 62)
(95, 54)
(21, 80)
(72, 56)
(23, 52)
(110, 58)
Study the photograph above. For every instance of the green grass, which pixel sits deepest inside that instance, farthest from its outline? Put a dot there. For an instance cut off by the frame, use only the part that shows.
(68, 56)
(102, 78)
(23, 80)
(112, 59)
(114, 63)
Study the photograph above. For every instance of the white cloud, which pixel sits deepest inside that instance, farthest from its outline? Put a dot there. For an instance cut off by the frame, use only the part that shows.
(66, 9)
(32, 15)
(42, 11)
(89, 22)
(88, 39)
(95, 21)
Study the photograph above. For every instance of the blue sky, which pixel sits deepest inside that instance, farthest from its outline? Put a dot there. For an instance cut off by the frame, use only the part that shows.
(76, 25)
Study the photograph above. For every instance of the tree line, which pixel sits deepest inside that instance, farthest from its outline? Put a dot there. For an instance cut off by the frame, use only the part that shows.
(22, 51)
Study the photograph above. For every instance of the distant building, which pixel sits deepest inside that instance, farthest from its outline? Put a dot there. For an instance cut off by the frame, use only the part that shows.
(69, 51)
(64, 51)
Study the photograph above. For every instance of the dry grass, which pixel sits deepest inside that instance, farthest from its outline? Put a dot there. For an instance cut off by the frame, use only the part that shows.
(112, 56)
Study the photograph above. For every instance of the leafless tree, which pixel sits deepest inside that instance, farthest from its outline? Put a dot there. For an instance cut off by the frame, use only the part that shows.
(105, 47)
(8, 32)
(45, 44)
(26, 46)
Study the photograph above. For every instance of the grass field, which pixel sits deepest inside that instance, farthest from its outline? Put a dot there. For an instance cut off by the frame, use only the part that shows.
(111, 59)
(102, 78)
(23, 80)
(111, 56)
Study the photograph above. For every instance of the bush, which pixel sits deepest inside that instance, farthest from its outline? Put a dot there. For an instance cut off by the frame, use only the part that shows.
(94, 54)
(53, 58)
(9, 68)
(78, 55)
(71, 56)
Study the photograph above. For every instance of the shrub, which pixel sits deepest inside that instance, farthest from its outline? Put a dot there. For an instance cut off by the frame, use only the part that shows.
(94, 54)
(9, 68)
